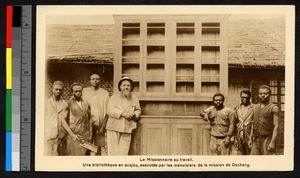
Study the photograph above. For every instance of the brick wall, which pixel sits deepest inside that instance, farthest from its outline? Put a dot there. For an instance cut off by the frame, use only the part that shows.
(69, 73)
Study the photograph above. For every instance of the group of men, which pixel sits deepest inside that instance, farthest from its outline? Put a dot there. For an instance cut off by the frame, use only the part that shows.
(250, 129)
(90, 116)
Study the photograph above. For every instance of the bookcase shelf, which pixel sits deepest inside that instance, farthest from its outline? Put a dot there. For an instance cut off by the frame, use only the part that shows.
(131, 31)
(185, 31)
(210, 60)
(177, 58)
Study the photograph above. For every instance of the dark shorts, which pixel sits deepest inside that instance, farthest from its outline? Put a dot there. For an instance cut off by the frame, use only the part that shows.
(98, 137)
(260, 146)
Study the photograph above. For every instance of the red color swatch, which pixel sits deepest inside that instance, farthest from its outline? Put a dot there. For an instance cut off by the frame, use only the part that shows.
(9, 13)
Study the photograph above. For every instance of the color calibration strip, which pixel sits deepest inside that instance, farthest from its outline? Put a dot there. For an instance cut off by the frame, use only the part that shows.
(8, 159)
(18, 111)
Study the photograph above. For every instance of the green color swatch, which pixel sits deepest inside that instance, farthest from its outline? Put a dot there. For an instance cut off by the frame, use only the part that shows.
(8, 110)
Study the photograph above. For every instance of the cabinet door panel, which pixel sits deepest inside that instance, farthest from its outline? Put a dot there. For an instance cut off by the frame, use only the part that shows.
(184, 139)
(156, 139)
(205, 139)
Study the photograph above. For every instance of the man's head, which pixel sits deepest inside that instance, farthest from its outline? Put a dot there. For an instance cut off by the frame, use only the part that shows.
(264, 93)
(218, 100)
(125, 86)
(77, 90)
(245, 96)
(57, 89)
(95, 80)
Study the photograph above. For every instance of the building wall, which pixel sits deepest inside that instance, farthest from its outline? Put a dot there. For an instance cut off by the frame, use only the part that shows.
(237, 81)
(253, 78)
(76, 72)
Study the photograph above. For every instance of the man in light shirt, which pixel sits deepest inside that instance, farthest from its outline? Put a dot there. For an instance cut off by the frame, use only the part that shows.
(56, 112)
(124, 111)
(222, 125)
(97, 98)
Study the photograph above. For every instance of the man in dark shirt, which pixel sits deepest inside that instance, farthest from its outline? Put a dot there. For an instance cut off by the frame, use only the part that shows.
(222, 122)
(265, 124)
(79, 126)
(244, 114)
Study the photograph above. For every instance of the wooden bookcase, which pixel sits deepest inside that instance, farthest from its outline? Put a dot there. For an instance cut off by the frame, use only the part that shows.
(172, 58)
(177, 63)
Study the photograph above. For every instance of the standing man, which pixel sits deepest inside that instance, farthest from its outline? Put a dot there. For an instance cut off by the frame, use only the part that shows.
(124, 111)
(56, 112)
(222, 125)
(265, 124)
(244, 113)
(97, 98)
(80, 125)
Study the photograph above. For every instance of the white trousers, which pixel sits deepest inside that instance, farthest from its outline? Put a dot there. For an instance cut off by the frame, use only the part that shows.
(118, 143)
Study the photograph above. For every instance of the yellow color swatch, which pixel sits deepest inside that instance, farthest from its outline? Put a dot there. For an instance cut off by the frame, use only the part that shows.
(8, 68)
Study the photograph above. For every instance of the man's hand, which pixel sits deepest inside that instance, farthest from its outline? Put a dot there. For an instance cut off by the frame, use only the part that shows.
(126, 115)
(136, 116)
(90, 138)
(132, 115)
(271, 146)
(250, 143)
(227, 141)
(75, 137)
(102, 129)
(204, 115)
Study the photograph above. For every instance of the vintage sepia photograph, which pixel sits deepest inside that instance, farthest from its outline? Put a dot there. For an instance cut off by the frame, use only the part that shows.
(164, 88)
